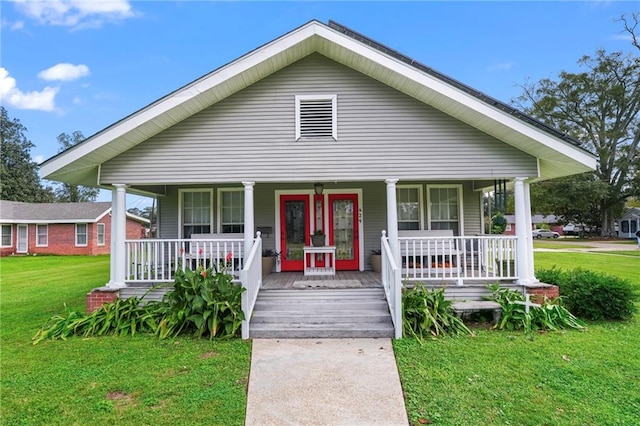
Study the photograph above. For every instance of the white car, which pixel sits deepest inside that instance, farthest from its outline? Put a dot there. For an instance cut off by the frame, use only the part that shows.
(544, 233)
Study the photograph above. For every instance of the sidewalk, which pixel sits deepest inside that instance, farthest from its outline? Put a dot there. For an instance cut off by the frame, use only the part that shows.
(324, 382)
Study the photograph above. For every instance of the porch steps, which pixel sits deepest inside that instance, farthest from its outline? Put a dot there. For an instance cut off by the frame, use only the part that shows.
(324, 313)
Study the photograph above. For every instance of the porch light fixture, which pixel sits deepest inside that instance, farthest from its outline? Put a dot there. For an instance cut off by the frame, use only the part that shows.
(318, 187)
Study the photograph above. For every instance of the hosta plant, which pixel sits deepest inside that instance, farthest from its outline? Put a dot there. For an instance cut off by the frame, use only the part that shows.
(426, 312)
(550, 315)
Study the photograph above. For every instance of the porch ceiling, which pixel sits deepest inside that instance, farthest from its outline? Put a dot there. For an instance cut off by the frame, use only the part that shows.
(80, 164)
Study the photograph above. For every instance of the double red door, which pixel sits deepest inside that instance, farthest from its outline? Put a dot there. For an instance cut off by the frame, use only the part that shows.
(335, 214)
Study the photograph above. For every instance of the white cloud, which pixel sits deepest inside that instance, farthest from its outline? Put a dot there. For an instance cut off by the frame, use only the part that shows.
(64, 72)
(76, 13)
(625, 37)
(14, 26)
(501, 67)
(38, 158)
(10, 94)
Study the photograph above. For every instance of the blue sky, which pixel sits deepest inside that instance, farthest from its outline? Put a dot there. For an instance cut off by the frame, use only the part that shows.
(70, 65)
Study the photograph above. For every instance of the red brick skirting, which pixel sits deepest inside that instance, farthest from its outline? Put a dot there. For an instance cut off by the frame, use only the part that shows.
(548, 291)
(99, 296)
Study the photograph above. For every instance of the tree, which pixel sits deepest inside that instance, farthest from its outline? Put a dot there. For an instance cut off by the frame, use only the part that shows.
(19, 180)
(601, 108)
(65, 192)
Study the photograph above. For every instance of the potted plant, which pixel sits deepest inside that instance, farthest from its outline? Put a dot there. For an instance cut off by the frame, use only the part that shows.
(376, 260)
(269, 258)
(317, 239)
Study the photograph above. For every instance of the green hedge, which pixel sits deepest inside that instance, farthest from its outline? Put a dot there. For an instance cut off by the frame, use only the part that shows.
(593, 295)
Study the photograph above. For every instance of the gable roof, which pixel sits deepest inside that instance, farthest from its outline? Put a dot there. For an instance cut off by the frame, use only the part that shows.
(557, 154)
(633, 213)
(19, 212)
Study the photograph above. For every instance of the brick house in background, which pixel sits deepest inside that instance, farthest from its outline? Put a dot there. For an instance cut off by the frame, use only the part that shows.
(60, 228)
(537, 221)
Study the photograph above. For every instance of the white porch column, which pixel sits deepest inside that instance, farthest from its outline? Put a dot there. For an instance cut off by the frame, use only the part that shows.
(118, 235)
(531, 274)
(522, 255)
(248, 217)
(392, 218)
(112, 237)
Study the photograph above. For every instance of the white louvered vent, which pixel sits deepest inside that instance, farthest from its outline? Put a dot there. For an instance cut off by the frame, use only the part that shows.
(316, 116)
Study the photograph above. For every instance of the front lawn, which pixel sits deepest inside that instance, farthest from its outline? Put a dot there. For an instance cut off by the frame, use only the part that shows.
(498, 378)
(105, 380)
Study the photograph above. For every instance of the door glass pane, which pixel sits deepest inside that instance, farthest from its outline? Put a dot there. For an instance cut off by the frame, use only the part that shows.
(343, 229)
(295, 226)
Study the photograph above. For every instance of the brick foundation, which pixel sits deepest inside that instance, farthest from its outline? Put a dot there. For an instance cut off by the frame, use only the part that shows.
(548, 291)
(99, 296)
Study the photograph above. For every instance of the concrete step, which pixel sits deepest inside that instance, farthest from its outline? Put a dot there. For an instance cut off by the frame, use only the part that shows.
(320, 317)
(310, 331)
(321, 314)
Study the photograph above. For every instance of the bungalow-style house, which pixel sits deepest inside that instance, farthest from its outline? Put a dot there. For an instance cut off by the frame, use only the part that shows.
(323, 131)
(629, 223)
(61, 228)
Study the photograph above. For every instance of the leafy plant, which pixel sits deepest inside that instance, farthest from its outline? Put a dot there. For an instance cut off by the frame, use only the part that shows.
(551, 315)
(270, 253)
(427, 312)
(122, 317)
(593, 295)
(203, 302)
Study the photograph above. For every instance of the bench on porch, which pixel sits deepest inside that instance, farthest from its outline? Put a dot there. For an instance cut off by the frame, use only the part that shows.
(216, 247)
(462, 307)
(437, 248)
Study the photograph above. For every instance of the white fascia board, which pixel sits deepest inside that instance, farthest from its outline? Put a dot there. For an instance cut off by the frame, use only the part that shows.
(137, 218)
(178, 98)
(460, 97)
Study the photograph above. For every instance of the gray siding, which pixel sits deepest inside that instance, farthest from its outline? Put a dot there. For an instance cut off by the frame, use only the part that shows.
(381, 133)
(374, 208)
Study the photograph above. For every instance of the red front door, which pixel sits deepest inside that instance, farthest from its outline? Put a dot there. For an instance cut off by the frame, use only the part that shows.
(343, 230)
(294, 231)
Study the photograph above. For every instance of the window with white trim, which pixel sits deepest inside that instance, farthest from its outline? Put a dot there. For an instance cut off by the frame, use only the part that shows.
(101, 234)
(196, 211)
(42, 235)
(409, 205)
(231, 210)
(7, 235)
(81, 234)
(444, 207)
(316, 116)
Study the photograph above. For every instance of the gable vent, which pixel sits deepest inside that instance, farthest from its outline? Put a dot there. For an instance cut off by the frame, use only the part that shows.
(316, 116)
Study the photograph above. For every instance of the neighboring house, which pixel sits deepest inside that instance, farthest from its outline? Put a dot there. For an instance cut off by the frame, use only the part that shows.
(60, 228)
(325, 130)
(629, 223)
(537, 221)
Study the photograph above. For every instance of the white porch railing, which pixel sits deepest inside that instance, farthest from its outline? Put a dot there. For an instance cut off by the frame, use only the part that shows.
(458, 258)
(392, 284)
(251, 278)
(156, 260)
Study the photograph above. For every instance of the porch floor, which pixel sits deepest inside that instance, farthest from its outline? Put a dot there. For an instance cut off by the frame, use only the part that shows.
(286, 280)
(367, 279)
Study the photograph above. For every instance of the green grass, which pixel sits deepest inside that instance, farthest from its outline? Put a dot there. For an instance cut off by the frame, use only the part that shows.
(558, 245)
(106, 380)
(499, 378)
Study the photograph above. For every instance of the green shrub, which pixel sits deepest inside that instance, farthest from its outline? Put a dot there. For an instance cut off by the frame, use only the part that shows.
(550, 316)
(426, 312)
(203, 302)
(549, 276)
(592, 295)
(121, 317)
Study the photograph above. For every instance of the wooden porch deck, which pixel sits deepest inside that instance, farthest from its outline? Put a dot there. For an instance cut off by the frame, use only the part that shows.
(286, 280)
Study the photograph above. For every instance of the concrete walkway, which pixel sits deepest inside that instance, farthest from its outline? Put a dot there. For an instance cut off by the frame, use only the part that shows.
(324, 382)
